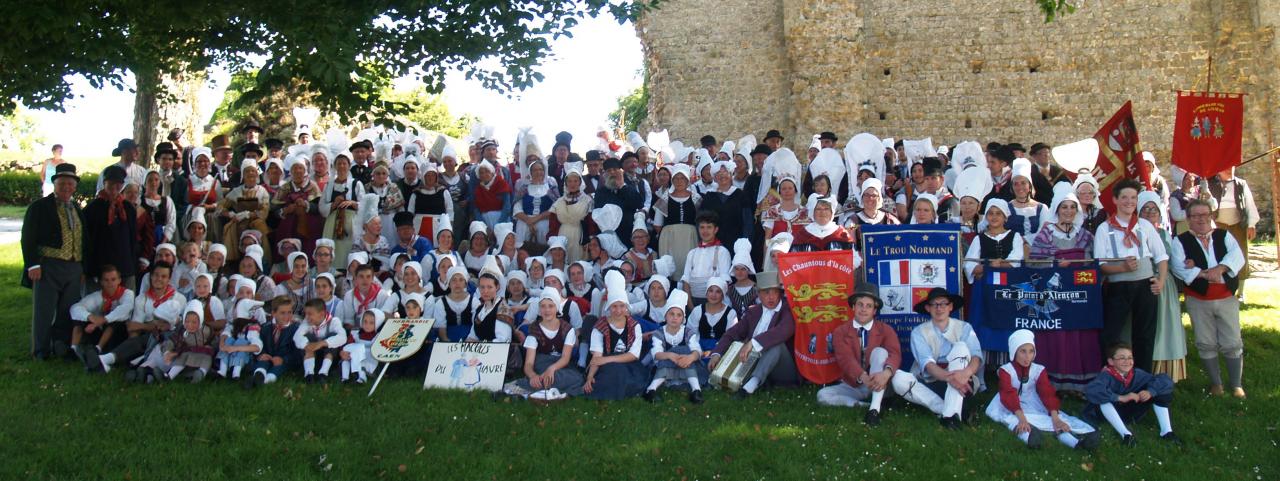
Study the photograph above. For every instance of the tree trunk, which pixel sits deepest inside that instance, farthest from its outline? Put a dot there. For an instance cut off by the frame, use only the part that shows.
(164, 102)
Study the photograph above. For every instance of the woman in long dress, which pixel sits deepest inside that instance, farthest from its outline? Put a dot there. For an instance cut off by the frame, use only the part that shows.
(676, 217)
(244, 208)
(532, 203)
(1170, 352)
(1070, 357)
(296, 203)
(570, 209)
(338, 206)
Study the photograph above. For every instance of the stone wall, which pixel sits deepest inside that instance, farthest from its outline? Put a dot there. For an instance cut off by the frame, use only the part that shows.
(954, 70)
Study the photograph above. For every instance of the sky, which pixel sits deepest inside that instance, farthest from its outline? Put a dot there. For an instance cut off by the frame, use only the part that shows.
(582, 80)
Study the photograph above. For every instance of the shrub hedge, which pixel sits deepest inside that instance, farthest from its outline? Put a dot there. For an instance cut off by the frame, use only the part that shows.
(22, 188)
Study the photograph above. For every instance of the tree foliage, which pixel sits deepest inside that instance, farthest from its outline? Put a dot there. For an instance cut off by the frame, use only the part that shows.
(19, 131)
(1054, 9)
(345, 52)
(632, 110)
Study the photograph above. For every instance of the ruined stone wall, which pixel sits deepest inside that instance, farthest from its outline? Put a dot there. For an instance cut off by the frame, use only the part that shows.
(986, 70)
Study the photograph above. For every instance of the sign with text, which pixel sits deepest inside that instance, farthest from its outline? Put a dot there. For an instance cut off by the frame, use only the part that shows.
(1038, 298)
(467, 366)
(905, 262)
(818, 286)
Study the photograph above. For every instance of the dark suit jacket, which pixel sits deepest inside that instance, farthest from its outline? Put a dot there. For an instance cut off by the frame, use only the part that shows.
(40, 228)
(116, 244)
(781, 328)
(849, 349)
(1044, 185)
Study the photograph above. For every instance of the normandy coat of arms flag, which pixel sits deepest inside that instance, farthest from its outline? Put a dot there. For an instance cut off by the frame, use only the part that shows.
(818, 286)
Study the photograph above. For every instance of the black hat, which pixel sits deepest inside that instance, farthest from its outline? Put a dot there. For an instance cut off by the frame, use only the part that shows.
(992, 147)
(1017, 146)
(773, 134)
(363, 144)
(932, 166)
(828, 136)
(564, 138)
(165, 148)
(252, 125)
(273, 144)
(174, 134)
(594, 155)
(707, 140)
(1004, 153)
(762, 149)
(113, 172)
(1038, 146)
(629, 155)
(612, 163)
(125, 144)
(67, 169)
(251, 147)
(939, 293)
(402, 218)
(868, 294)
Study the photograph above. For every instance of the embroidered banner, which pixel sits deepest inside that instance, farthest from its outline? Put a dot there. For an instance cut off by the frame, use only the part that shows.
(1207, 131)
(905, 262)
(818, 286)
(1038, 298)
(1119, 154)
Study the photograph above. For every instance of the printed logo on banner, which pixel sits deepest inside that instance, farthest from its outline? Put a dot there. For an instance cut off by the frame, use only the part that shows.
(1045, 299)
(1086, 277)
(818, 286)
(906, 262)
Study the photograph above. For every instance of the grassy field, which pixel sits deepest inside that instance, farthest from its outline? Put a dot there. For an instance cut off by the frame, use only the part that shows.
(59, 423)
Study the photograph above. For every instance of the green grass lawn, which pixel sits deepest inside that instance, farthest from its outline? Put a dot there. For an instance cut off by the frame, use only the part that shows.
(56, 422)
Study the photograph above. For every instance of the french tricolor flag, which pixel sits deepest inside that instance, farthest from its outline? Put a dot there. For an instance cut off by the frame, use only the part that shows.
(999, 278)
(895, 273)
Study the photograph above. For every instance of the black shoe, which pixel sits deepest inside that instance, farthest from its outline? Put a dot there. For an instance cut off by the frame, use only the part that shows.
(92, 363)
(61, 349)
(695, 396)
(951, 422)
(309, 379)
(741, 394)
(40, 356)
(131, 376)
(872, 418)
(1129, 440)
(652, 396)
(1035, 439)
(259, 379)
(1090, 442)
(322, 379)
(1172, 438)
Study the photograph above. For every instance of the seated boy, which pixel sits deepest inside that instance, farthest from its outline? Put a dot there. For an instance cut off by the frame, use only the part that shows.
(278, 350)
(1122, 393)
(320, 336)
(99, 313)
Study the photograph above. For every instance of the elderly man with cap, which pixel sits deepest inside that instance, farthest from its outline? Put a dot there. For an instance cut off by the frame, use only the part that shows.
(250, 133)
(614, 189)
(52, 250)
(868, 353)
(227, 173)
(768, 327)
(111, 231)
(362, 160)
(127, 151)
(827, 140)
(948, 360)
(773, 139)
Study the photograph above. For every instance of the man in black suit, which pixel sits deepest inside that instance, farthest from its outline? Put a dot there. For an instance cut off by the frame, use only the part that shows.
(52, 249)
(1044, 173)
(111, 232)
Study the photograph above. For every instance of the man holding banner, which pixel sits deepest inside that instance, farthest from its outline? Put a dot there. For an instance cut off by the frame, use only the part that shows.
(1134, 280)
(868, 354)
(948, 360)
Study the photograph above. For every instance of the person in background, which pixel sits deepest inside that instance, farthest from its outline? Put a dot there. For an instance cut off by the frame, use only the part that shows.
(50, 167)
(1237, 213)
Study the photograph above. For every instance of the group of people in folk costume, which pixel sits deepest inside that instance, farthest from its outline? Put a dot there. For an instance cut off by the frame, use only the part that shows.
(627, 269)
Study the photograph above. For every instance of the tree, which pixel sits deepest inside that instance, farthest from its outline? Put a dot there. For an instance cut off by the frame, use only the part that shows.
(428, 111)
(19, 131)
(1054, 9)
(346, 52)
(632, 110)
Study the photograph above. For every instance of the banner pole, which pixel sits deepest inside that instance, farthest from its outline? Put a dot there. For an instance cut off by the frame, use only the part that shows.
(1259, 156)
(385, 365)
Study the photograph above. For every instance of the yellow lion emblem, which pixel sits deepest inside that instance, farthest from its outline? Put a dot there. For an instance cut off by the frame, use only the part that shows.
(822, 292)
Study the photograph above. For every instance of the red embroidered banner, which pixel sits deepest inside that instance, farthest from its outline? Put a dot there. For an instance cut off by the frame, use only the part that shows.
(1119, 154)
(1207, 131)
(818, 286)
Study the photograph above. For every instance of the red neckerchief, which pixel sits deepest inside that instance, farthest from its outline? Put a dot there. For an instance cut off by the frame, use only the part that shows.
(108, 301)
(363, 301)
(115, 207)
(709, 244)
(1125, 379)
(1130, 238)
(156, 301)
